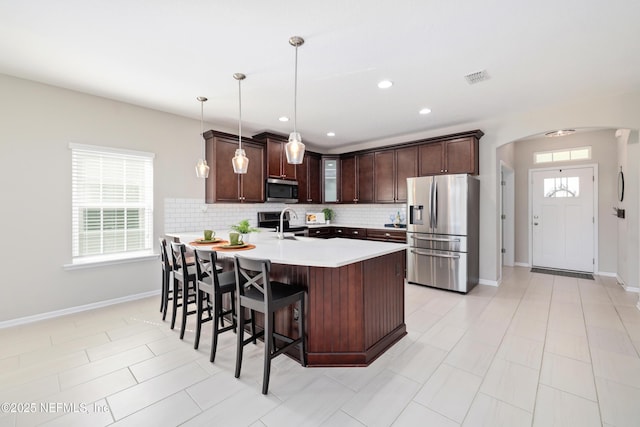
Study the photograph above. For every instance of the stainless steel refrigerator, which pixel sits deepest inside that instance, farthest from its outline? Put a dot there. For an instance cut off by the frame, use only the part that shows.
(442, 231)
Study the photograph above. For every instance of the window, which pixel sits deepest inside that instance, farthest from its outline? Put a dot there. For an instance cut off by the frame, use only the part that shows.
(112, 203)
(566, 155)
(562, 187)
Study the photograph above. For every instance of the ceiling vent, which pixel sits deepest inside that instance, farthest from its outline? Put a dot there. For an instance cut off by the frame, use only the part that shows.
(477, 77)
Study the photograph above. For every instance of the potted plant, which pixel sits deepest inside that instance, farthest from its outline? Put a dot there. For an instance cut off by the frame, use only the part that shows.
(329, 214)
(244, 228)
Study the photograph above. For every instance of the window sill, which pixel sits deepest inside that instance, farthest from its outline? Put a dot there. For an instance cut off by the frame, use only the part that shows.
(103, 261)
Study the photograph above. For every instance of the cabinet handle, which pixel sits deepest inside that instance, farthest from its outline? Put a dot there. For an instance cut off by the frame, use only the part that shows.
(338, 231)
(387, 235)
(355, 232)
(317, 231)
(441, 170)
(446, 170)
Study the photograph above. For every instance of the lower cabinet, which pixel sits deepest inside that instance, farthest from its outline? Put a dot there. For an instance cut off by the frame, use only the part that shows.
(395, 236)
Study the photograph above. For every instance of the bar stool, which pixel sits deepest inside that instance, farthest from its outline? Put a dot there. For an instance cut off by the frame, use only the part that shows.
(184, 285)
(211, 287)
(255, 291)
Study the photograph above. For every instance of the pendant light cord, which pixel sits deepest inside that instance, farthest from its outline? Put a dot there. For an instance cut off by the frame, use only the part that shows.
(204, 155)
(295, 93)
(239, 113)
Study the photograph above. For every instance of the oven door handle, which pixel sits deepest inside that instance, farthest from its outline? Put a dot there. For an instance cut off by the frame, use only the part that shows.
(431, 254)
(434, 239)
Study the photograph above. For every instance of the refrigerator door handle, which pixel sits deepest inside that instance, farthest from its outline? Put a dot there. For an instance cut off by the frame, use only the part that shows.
(435, 239)
(431, 191)
(413, 251)
(435, 204)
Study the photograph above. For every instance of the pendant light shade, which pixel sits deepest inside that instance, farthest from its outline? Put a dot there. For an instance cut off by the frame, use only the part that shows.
(295, 148)
(202, 169)
(240, 161)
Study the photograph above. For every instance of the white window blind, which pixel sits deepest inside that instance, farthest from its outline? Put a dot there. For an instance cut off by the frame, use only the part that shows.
(112, 202)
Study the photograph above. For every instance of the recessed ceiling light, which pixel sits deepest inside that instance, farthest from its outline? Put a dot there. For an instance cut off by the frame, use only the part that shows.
(284, 119)
(385, 84)
(425, 111)
(561, 132)
(331, 134)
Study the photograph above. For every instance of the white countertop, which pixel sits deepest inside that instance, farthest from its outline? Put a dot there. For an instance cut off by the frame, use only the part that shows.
(307, 251)
(373, 227)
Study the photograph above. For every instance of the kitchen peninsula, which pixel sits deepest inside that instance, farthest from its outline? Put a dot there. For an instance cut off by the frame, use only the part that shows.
(355, 293)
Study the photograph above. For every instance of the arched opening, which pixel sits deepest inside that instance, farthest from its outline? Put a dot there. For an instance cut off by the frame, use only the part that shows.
(612, 150)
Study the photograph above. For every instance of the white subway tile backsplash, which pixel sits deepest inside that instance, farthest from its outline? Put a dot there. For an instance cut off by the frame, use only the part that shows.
(193, 214)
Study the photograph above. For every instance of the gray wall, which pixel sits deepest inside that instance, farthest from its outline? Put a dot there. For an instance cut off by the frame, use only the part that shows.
(604, 153)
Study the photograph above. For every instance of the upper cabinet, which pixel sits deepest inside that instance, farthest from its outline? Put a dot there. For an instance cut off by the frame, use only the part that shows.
(392, 168)
(223, 185)
(356, 178)
(308, 173)
(277, 165)
(330, 179)
(458, 155)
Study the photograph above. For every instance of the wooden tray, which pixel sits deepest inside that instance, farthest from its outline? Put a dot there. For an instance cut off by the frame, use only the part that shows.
(245, 248)
(197, 243)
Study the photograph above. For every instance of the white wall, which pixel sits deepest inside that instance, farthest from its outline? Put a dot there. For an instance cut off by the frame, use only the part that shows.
(39, 121)
(604, 153)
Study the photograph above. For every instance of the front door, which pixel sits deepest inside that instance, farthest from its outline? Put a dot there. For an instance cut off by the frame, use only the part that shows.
(563, 222)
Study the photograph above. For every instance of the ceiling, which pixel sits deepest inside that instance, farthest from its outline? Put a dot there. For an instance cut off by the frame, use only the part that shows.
(162, 54)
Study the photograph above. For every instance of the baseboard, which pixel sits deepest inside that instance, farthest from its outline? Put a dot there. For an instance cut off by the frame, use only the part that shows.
(77, 309)
(494, 283)
(522, 264)
(607, 274)
(625, 286)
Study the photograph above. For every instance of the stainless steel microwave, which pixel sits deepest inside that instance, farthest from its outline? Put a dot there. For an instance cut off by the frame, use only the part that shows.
(281, 190)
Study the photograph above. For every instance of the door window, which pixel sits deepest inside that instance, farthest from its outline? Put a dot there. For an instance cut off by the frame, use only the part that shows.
(562, 186)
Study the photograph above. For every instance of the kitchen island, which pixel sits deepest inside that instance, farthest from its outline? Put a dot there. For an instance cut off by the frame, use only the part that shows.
(355, 293)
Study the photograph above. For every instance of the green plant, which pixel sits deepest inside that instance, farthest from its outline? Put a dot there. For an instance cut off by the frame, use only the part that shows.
(328, 213)
(243, 227)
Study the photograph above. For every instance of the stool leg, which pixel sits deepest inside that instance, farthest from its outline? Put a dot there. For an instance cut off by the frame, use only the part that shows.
(303, 335)
(234, 314)
(217, 309)
(175, 302)
(196, 341)
(185, 304)
(240, 338)
(268, 343)
(166, 277)
(163, 291)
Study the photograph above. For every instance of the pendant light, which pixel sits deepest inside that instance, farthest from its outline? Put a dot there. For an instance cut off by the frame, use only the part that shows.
(240, 161)
(295, 148)
(202, 169)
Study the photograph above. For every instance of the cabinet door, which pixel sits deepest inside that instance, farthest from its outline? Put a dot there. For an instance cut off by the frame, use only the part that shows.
(364, 191)
(277, 165)
(222, 185)
(274, 158)
(330, 179)
(313, 179)
(431, 158)
(406, 167)
(461, 156)
(308, 174)
(384, 176)
(348, 179)
(253, 180)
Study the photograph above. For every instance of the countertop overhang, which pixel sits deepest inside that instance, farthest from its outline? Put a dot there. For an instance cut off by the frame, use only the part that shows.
(304, 251)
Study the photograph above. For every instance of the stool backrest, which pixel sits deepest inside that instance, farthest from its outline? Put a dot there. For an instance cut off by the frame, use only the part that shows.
(178, 254)
(164, 257)
(206, 266)
(253, 273)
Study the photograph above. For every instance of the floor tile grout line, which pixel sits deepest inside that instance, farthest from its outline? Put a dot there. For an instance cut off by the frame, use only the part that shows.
(584, 319)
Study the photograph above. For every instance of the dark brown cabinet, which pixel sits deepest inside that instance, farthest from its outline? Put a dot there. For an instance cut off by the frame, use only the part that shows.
(397, 236)
(458, 155)
(321, 232)
(392, 168)
(223, 185)
(356, 178)
(277, 165)
(309, 179)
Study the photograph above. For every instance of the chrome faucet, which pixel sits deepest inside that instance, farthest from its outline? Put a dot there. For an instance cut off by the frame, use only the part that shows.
(281, 229)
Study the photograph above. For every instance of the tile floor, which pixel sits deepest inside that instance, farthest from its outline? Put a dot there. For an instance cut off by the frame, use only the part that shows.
(537, 351)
